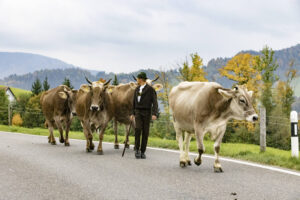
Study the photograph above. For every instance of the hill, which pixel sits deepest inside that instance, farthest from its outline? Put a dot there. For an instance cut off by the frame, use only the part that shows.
(21, 63)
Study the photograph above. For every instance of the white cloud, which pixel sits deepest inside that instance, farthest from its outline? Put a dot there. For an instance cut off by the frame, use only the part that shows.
(127, 35)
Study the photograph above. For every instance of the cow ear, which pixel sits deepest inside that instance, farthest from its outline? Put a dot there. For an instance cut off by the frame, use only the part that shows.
(133, 85)
(250, 93)
(158, 87)
(85, 88)
(63, 95)
(110, 88)
(225, 93)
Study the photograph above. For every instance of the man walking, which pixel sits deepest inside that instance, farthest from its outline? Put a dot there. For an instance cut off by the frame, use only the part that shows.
(144, 108)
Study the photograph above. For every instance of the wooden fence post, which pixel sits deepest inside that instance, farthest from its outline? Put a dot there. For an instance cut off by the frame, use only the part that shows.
(262, 111)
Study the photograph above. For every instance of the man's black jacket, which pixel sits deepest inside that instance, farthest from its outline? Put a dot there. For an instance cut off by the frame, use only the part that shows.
(148, 100)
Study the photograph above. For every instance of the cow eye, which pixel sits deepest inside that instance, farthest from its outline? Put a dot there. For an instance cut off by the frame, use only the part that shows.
(242, 101)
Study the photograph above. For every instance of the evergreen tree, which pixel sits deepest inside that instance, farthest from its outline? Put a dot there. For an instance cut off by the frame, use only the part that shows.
(46, 85)
(115, 82)
(67, 82)
(36, 87)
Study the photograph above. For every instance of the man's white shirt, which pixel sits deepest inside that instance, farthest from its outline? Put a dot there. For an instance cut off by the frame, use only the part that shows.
(141, 89)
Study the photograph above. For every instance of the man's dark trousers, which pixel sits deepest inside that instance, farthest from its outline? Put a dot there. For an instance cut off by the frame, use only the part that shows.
(142, 121)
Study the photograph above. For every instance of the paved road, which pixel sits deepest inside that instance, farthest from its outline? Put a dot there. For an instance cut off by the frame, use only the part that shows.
(32, 169)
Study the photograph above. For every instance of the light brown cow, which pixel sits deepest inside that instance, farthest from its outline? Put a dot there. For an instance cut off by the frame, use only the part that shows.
(58, 106)
(201, 107)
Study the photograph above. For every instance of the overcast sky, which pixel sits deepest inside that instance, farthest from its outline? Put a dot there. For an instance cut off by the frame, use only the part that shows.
(122, 35)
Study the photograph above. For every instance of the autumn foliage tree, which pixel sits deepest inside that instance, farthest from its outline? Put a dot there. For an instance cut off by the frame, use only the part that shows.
(17, 120)
(241, 69)
(194, 72)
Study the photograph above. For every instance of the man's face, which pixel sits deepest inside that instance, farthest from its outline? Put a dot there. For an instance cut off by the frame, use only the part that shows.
(140, 81)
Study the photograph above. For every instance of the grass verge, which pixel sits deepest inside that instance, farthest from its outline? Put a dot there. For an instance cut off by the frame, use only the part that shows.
(240, 151)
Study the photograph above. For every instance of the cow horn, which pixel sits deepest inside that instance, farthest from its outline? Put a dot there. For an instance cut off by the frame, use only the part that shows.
(134, 77)
(155, 79)
(88, 80)
(107, 82)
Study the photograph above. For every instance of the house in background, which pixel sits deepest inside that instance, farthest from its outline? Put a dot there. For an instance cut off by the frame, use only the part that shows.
(9, 93)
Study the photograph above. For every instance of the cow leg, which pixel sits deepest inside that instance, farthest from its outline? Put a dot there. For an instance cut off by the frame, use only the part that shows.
(51, 138)
(100, 150)
(115, 124)
(199, 137)
(187, 140)
(179, 138)
(127, 145)
(88, 135)
(220, 133)
(68, 124)
(60, 129)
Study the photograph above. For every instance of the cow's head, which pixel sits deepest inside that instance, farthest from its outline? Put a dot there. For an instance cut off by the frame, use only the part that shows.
(156, 86)
(97, 90)
(71, 97)
(240, 103)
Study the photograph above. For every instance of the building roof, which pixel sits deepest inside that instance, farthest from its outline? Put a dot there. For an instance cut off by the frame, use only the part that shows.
(8, 88)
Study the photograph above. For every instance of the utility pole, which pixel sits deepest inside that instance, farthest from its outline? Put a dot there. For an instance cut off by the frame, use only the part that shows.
(262, 141)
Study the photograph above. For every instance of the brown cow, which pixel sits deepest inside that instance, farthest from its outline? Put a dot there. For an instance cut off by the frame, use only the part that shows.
(122, 97)
(58, 106)
(203, 107)
(93, 106)
(117, 104)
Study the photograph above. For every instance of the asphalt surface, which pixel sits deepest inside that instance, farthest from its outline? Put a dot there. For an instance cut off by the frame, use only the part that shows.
(30, 168)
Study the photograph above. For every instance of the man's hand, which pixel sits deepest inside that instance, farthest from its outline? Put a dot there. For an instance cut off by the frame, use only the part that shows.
(131, 117)
(154, 117)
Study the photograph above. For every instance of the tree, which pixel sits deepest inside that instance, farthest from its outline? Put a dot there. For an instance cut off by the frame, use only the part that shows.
(46, 85)
(115, 82)
(285, 92)
(194, 72)
(17, 120)
(67, 82)
(36, 87)
(3, 107)
(33, 116)
(241, 68)
(267, 65)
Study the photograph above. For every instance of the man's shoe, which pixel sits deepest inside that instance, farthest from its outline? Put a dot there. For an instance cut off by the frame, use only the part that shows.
(137, 154)
(143, 156)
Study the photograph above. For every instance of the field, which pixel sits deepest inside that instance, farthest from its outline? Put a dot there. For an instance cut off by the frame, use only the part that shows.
(17, 91)
(247, 152)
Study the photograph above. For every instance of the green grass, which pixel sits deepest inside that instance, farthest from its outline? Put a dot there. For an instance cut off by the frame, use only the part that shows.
(247, 152)
(17, 91)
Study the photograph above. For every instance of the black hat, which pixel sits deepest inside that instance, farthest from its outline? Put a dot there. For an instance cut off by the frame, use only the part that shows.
(142, 75)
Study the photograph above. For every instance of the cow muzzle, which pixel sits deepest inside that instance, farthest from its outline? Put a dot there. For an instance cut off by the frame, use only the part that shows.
(94, 108)
(74, 113)
(252, 118)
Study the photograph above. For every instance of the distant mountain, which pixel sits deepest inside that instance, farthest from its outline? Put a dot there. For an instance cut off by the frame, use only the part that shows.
(76, 75)
(22, 63)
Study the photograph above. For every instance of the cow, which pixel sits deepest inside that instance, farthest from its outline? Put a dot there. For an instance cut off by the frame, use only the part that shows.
(201, 107)
(58, 106)
(123, 103)
(94, 103)
(117, 103)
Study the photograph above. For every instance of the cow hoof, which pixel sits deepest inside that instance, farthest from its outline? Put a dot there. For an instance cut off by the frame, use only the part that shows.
(100, 152)
(67, 144)
(88, 150)
(116, 146)
(182, 164)
(127, 146)
(197, 162)
(218, 169)
(53, 143)
(189, 162)
(92, 147)
(61, 140)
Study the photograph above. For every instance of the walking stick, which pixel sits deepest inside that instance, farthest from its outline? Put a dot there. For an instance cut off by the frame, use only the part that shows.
(126, 141)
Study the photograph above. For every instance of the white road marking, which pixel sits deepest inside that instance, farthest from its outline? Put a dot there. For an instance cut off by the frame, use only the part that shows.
(204, 155)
